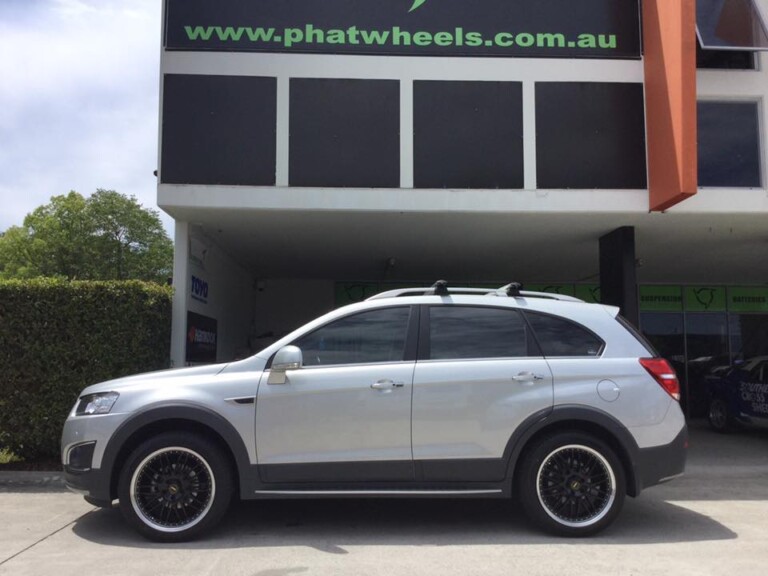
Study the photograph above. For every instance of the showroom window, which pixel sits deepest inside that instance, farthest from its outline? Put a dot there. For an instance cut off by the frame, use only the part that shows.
(375, 336)
(729, 144)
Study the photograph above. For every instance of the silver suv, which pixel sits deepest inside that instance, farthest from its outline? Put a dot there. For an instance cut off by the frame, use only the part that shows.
(431, 392)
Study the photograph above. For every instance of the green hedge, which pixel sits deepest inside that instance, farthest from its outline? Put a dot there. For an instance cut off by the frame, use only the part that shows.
(57, 337)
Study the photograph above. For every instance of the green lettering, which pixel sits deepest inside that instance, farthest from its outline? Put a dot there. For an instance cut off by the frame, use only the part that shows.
(550, 40)
(422, 38)
(474, 39)
(607, 41)
(400, 37)
(292, 36)
(199, 33)
(229, 33)
(374, 37)
(525, 40)
(353, 34)
(443, 39)
(335, 37)
(313, 35)
(260, 34)
(504, 39)
(587, 41)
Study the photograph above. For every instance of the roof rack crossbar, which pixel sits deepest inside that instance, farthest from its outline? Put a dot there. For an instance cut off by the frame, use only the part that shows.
(441, 288)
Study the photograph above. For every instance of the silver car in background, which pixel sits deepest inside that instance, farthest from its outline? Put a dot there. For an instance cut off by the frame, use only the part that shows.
(431, 392)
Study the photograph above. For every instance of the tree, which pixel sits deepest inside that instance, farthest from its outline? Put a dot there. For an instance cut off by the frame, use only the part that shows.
(105, 237)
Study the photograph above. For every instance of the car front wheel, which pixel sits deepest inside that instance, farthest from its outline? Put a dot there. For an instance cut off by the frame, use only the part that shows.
(719, 416)
(571, 484)
(175, 486)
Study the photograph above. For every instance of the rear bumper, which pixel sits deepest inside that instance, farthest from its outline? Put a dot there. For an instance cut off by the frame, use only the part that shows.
(662, 463)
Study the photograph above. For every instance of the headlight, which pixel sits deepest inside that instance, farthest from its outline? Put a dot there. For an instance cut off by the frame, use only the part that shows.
(100, 403)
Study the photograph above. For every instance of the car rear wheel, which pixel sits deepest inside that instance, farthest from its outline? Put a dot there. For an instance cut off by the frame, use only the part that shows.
(175, 486)
(571, 484)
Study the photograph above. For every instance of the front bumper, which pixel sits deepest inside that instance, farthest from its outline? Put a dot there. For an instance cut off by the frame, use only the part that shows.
(93, 484)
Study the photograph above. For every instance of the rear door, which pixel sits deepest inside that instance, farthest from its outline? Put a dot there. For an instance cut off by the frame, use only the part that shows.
(478, 377)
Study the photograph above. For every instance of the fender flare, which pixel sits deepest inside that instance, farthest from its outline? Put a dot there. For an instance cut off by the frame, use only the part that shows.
(173, 411)
(551, 417)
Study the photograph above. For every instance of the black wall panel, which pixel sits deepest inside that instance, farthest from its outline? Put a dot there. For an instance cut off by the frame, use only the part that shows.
(729, 144)
(219, 130)
(344, 133)
(590, 135)
(468, 134)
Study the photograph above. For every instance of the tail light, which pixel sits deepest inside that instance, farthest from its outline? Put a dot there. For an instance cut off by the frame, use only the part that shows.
(664, 374)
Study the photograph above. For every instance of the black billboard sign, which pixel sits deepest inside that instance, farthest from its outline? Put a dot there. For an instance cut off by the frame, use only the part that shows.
(507, 28)
(202, 337)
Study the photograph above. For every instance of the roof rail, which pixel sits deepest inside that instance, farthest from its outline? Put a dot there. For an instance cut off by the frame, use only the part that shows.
(441, 288)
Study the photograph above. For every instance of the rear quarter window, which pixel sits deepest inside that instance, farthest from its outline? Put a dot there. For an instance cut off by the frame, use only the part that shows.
(560, 337)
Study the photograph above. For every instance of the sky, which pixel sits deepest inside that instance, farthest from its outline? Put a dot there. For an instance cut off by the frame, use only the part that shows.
(79, 84)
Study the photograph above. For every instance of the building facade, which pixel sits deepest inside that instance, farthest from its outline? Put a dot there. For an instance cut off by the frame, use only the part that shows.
(313, 153)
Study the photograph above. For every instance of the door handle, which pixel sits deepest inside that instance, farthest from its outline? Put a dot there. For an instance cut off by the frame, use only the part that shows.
(386, 384)
(527, 377)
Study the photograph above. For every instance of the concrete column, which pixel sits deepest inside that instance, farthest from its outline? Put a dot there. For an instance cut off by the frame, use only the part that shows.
(180, 290)
(618, 276)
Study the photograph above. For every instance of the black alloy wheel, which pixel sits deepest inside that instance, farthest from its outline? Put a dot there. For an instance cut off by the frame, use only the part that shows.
(572, 484)
(175, 486)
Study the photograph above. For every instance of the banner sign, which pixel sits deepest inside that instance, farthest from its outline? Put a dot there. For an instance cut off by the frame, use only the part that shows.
(705, 299)
(508, 28)
(661, 299)
(748, 299)
(202, 336)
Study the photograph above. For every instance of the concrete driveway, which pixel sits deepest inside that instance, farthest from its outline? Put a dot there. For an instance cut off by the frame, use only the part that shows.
(713, 521)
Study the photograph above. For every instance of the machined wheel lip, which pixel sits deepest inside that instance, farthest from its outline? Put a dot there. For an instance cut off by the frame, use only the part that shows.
(608, 470)
(148, 519)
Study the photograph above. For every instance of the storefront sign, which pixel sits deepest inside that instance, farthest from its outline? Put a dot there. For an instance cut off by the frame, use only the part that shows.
(199, 289)
(661, 299)
(705, 299)
(520, 28)
(748, 299)
(202, 337)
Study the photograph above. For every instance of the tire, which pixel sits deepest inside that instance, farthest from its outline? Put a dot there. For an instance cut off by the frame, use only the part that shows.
(571, 484)
(719, 416)
(175, 486)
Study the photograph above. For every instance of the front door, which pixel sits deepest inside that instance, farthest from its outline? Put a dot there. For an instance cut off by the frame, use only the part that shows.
(345, 416)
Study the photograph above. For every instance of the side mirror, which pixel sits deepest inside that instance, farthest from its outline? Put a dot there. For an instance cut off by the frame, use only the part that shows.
(287, 358)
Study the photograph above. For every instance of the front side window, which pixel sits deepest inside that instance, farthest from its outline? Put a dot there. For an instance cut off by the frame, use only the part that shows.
(373, 336)
(560, 337)
(457, 332)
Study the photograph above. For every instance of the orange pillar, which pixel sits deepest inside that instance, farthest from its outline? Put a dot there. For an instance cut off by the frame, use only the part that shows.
(669, 41)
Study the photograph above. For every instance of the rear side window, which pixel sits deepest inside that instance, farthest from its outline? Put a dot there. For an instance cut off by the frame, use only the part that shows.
(457, 332)
(560, 337)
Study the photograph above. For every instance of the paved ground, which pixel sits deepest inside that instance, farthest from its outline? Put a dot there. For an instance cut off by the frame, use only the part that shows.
(713, 521)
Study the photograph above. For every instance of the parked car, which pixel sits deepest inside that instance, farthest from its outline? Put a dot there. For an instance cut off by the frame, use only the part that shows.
(430, 392)
(739, 395)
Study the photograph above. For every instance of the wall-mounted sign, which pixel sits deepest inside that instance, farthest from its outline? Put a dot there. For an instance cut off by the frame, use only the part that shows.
(588, 292)
(198, 289)
(705, 299)
(661, 299)
(564, 289)
(202, 338)
(748, 299)
(521, 28)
